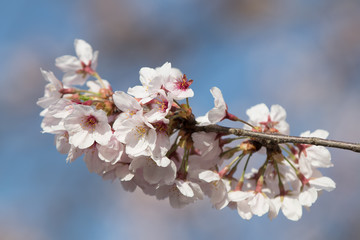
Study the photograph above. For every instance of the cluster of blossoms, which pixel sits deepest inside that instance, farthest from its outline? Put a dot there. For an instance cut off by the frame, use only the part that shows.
(147, 138)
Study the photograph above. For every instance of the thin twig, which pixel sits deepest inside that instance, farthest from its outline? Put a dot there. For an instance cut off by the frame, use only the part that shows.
(271, 139)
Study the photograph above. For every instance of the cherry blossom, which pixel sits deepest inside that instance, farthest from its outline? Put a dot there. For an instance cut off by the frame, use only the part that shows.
(272, 120)
(180, 193)
(218, 113)
(147, 139)
(137, 133)
(152, 80)
(179, 85)
(77, 69)
(217, 190)
(86, 125)
(52, 90)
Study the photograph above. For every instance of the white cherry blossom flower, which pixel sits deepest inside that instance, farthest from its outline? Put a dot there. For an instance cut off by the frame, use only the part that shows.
(216, 188)
(218, 113)
(152, 173)
(64, 147)
(52, 124)
(92, 160)
(208, 148)
(152, 80)
(268, 120)
(162, 145)
(112, 151)
(178, 85)
(86, 126)
(137, 134)
(180, 193)
(309, 187)
(160, 107)
(311, 156)
(289, 205)
(119, 171)
(77, 69)
(259, 203)
(241, 198)
(62, 142)
(52, 90)
(127, 104)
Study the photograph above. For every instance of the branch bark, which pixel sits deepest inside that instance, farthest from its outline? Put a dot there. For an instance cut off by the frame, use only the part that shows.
(270, 139)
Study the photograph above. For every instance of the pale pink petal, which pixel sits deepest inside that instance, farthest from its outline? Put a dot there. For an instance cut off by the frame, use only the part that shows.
(125, 102)
(244, 210)
(68, 63)
(308, 197)
(257, 113)
(291, 208)
(72, 78)
(323, 183)
(93, 162)
(277, 113)
(123, 172)
(184, 188)
(319, 156)
(209, 176)
(102, 133)
(259, 205)
(237, 196)
(83, 51)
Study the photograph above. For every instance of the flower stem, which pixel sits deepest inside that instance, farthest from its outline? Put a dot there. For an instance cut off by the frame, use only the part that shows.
(241, 181)
(97, 76)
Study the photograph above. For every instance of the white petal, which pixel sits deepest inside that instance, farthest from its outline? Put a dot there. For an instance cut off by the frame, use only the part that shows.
(319, 133)
(237, 196)
(102, 133)
(291, 208)
(258, 113)
(259, 205)
(277, 113)
(215, 115)
(319, 156)
(81, 139)
(218, 98)
(83, 51)
(184, 188)
(123, 173)
(308, 197)
(72, 78)
(138, 91)
(244, 210)
(323, 183)
(125, 102)
(209, 176)
(68, 63)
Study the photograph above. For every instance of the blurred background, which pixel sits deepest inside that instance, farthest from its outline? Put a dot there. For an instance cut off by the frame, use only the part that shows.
(303, 55)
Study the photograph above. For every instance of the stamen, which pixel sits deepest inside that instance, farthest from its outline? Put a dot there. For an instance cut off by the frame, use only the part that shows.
(140, 131)
(269, 125)
(183, 83)
(89, 123)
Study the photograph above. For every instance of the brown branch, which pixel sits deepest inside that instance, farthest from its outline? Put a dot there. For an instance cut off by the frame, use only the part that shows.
(270, 139)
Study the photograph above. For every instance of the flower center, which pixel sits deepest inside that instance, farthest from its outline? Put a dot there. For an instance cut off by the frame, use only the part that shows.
(162, 104)
(140, 131)
(89, 123)
(302, 148)
(269, 125)
(86, 69)
(183, 83)
(161, 127)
